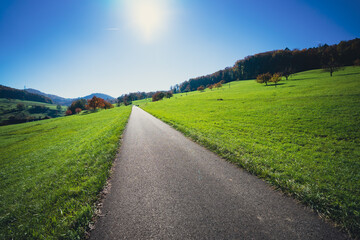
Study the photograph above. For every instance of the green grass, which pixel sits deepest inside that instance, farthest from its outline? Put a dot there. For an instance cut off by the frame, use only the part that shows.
(302, 136)
(51, 172)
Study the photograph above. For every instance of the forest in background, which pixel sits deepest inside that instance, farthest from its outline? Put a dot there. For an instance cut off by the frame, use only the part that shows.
(12, 93)
(285, 62)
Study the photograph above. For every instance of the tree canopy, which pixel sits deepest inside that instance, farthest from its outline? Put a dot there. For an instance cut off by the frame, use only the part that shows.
(285, 62)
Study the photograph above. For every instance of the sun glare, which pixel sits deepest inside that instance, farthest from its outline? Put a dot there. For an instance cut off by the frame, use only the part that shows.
(148, 17)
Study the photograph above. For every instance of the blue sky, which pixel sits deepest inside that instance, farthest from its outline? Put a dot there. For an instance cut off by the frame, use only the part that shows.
(74, 48)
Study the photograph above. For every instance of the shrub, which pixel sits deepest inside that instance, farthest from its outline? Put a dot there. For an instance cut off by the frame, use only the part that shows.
(218, 85)
(20, 106)
(108, 105)
(38, 109)
(80, 103)
(158, 96)
(68, 112)
(168, 94)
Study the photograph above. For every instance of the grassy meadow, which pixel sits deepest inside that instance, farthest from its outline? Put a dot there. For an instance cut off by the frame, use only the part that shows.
(302, 136)
(52, 171)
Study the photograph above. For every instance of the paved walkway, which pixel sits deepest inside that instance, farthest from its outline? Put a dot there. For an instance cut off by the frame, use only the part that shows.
(165, 186)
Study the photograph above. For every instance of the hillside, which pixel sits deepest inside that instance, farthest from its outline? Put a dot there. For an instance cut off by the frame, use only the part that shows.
(13, 111)
(54, 98)
(285, 61)
(52, 171)
(302, 136)
(67, 101)
(12, 93)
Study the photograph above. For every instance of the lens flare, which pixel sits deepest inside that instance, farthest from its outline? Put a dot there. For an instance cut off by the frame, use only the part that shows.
(148, 18)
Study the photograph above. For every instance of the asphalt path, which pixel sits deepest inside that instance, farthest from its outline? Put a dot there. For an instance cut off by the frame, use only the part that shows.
(165, 186)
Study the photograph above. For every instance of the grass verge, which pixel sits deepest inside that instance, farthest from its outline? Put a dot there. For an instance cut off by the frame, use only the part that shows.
(51, 172)
(302, 136)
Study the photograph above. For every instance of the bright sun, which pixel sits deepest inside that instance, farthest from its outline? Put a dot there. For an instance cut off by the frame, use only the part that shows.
(147, 17)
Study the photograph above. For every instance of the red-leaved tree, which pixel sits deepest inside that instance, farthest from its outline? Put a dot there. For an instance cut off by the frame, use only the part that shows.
(96, 103)
(78, 110)
(68, 112)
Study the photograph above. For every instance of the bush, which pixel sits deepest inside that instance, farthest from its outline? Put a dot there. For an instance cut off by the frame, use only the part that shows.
(158, 96)
(68, 112)
(80, 103)
(168, 94)
(218, 85)
(108, 105)
(20, 106)
(38, 109)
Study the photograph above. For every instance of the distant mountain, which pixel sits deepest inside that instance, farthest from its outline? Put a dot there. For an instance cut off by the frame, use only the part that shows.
(68, 101)
(99, 95)
(12, 93)
(54, 98)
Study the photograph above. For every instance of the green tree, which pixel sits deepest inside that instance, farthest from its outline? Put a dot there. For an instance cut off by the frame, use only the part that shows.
(330, 61)
(80, 103)
(20, 106)
(287, 72)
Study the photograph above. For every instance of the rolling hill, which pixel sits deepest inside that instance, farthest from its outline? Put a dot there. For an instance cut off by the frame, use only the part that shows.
(302, 136)
(67, 101)
(12, 93)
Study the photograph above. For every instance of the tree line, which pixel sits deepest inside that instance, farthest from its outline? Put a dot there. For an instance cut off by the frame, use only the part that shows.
(284, 62)
(127, 99)
(12, 93)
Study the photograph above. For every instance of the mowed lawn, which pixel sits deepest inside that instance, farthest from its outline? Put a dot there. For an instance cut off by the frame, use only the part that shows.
(303, 136)
(51, 172)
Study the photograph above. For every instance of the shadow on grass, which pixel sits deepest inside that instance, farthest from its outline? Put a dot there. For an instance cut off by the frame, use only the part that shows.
(273, 85)
(345, 74)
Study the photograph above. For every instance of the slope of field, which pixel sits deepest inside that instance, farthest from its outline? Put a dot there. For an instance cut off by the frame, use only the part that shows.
(31, 111)
(51, 172)
(302, 136)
